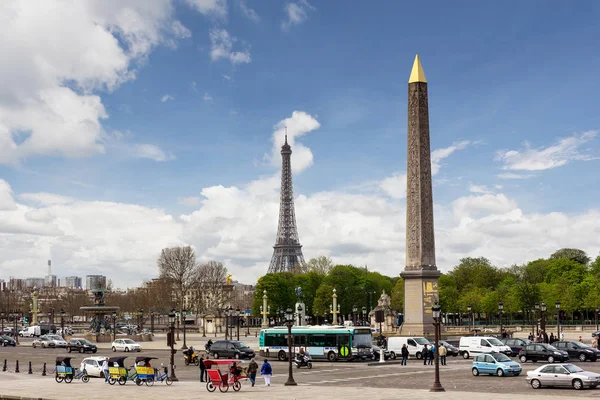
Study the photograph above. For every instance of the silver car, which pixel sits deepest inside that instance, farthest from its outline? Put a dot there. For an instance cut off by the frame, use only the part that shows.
(562, 375)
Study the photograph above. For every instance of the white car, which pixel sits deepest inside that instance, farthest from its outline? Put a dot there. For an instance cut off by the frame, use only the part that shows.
(125, 345)
(93, 366)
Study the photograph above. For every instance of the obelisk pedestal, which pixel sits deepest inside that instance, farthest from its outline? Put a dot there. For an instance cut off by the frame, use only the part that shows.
(420, 273)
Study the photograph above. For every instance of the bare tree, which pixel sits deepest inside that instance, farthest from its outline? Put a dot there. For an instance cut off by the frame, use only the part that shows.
(211, 286)
(177, 265)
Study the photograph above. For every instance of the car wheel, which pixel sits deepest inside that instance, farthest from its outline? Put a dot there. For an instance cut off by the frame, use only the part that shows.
(237, 356)
(281, 356)
(582, 357)
(419, 355)
(94, 351)
(43, 345)
(475, 372)
(33, 345)
(535, 384)
(101, 374)
(550, 359)
(3, 344)
(82, 350)
(577, 384)
(126, 349)
(500, 372)
(114, 349)
(392, 355)
(523, 359)
(466, 355)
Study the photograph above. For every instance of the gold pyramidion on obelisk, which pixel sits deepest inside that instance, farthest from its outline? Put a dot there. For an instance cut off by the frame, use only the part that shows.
(420, 273)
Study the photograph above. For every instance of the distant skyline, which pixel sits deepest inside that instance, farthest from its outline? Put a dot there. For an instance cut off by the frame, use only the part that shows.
(127, 127)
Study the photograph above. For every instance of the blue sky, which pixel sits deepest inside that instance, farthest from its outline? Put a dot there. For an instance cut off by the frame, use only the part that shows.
(202, 83)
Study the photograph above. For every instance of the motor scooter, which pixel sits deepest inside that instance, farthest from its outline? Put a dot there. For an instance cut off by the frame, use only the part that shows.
(302, 361)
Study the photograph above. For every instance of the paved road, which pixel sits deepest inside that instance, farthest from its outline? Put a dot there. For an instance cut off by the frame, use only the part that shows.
(455, 377)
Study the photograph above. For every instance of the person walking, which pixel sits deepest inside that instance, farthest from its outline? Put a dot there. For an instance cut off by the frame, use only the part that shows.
(252, 369)
(580, 340)
(425, 354)
(432, 354)
(266, 371)
(105, 370)
(404, 354)
(442, 352)
(203, 372)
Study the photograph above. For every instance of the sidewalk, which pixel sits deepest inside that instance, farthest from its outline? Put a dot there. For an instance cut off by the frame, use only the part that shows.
(29, 388)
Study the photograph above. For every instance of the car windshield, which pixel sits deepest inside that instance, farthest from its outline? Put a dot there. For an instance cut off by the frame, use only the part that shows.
(525, 341)
(573, 368)
(422, 340)
(240, 345)
(550, 347)
(84, 341)
(583, 345)
(55, 337)
(128, 341)
(362, 340)
(501, 357)
(495, 342)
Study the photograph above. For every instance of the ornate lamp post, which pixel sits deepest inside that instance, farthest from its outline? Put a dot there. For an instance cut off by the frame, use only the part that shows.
(2, 319)
(543, 317)
(500, 308)
(364, 316)
(532, 316)
(265, 310)
(237, 322)
(172, 316)
(289, 316)
(16, 318)
(178, 315)
(334, 308)
(152, 322)
(114, 324)
(354, 311)
(596, 317)
(184, 312)
(62, 322)
(299, 314)
(470, 316)
(557, 305)
(437, 386)
(317, 317)
(537, 309)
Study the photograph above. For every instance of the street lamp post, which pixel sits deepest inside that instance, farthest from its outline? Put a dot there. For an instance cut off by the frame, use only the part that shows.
(437, 386)
(114, 325)
(335, 308)
(364, 316)
(172, 316)
(470, 316)
(557, 305)
(62, 322)
(543, 317)
(596, 317)
(2, 319)
(16, 315)
(178, 315)
(317, 317)
(289, 316)
(354, 310)
(237, 322)
(265, 310)
(537, 308)
(184, 312)
(152, 322)
(500, 308)
(299, 314)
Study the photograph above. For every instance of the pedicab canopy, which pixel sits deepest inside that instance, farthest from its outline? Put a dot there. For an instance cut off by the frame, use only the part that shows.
(66, 361)
(144, 359)
(217, 362)
(117, 371)
(120, 361)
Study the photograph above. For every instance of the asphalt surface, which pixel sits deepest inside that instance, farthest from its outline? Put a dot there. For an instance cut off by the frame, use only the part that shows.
(454, 377)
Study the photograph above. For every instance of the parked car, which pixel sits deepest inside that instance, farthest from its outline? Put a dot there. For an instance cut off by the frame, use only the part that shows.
(576, 350)
(452, 350)
(81, 345)
(231, 349)
(542, 352)
(495, 364)
(562, 375)
(415, 346)
(516, 344)
(474, 345)
(31, 331)
(93, 366)
(7, 341)
(49, 341)
(376, 353)
(125, 345)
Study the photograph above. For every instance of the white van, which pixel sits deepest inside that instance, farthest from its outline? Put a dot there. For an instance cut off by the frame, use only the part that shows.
(31, 331)
(474, 345)
(415, 346)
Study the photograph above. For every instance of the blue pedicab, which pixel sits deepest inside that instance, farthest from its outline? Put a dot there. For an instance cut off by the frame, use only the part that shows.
(64, 371)
(145, 372)
(117, 371)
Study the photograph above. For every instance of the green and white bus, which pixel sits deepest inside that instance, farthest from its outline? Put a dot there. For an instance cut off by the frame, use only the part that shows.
(322, 342)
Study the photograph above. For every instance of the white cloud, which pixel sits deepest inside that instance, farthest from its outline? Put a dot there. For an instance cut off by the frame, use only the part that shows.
(296, 13)
(207, 98)
(166, 98)
(191, 201)
(45, 199)
(193, 86)
(227, 77)
(151, 151)
(222, 47)
(481, 189)
(299, 124)
(56, 55)
(209, 7)
(249, 12)
(511, 175)
(438, 155)
(529, 159)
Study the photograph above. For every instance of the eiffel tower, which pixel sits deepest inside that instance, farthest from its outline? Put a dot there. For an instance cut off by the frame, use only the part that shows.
(287, 253)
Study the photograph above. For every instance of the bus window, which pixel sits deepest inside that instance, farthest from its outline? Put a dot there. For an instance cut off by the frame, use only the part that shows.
(299, 340)
(343, 340)
(330, 341)
(275, 340)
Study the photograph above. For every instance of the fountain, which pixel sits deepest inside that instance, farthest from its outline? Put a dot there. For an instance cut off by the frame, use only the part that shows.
(101, 321)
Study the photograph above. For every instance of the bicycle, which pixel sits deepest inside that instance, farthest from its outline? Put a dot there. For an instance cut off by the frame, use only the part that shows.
(83, 375)
(164, 377)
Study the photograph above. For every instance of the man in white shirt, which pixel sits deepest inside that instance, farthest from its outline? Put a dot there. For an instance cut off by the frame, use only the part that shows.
(105, 370)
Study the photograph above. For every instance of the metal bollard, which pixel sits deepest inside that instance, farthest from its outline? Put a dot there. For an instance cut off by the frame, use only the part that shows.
(17, 367)
(44, 370)
(30, 370)
(4, 366)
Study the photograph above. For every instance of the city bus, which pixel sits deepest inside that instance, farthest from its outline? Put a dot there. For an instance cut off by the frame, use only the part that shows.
(322, 342)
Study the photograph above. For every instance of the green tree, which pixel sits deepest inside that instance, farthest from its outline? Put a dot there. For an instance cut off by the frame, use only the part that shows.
(309, 282)
(576, 255)
(321, 265)
(477, 272)
(280, 292)
(397, 296)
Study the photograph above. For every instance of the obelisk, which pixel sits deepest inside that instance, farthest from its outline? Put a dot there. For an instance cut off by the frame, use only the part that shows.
(420, 273)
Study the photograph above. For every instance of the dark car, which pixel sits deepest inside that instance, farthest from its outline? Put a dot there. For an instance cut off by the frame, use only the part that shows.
(451, 350)
(81, 345)
(230, 349)
(580, 351)
(376, 353)
(7, 341)
(516, 344)
(542, 352)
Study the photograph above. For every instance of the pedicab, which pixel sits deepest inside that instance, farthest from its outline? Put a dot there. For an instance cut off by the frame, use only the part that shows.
(117, 371)
(223, 380)
(64, 371)
(145, 372)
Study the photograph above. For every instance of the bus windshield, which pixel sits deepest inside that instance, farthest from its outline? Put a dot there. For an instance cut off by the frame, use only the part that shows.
(362, 340)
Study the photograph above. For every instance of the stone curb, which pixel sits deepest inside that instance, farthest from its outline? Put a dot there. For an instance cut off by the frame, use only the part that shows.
(8, 397)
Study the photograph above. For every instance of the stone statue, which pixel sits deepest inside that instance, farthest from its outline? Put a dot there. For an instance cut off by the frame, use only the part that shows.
(228, 280)
(299, 292)
(384, 300)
